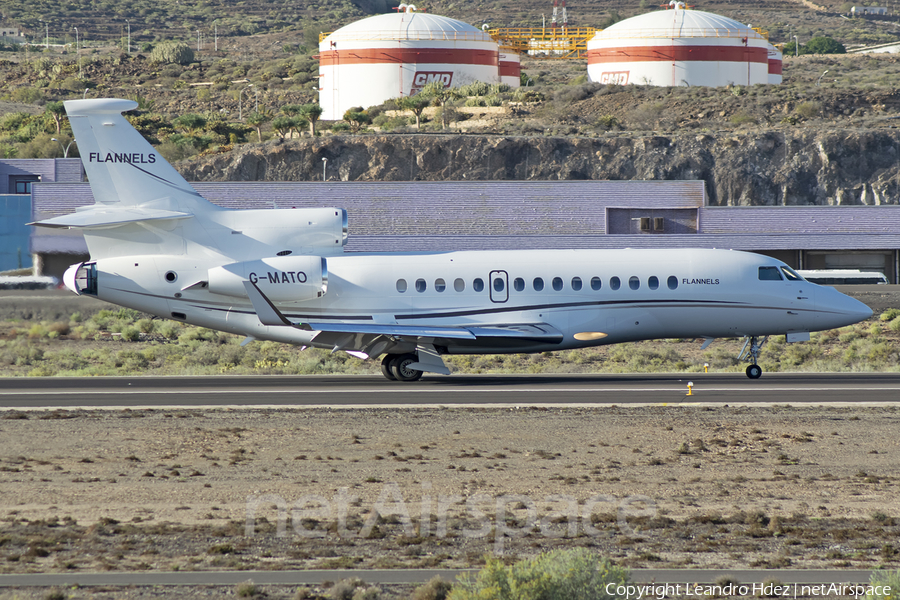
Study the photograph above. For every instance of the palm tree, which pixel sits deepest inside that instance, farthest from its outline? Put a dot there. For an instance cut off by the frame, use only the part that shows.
(415, 104)
(311, 114)
(256, 120)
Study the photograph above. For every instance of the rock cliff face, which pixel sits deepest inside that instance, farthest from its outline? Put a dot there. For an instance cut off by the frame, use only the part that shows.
(775, 167)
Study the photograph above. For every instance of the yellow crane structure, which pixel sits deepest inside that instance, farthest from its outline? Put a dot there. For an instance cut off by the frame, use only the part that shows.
(545, 42)
(560, 41)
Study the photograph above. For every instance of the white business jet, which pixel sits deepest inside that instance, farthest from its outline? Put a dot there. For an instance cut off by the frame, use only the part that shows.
(157, 246)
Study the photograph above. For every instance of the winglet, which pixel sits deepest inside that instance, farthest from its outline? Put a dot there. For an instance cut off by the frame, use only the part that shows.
(265, 310)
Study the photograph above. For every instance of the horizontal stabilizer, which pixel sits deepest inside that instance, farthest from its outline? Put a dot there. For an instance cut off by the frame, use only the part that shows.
(98, 217)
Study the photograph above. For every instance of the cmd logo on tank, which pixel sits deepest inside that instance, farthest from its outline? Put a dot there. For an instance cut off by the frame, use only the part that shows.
(423, 78)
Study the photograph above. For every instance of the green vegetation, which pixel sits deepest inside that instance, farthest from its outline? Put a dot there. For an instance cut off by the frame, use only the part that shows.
(882, 579)
(125, 342)
(577, 574)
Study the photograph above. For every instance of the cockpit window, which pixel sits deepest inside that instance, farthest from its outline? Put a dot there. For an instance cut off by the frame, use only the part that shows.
(769, 274)
(791, 275)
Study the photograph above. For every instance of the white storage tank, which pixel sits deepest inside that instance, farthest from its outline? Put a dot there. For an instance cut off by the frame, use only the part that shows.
(396, 54)
(679, 47)
(510, 67)
(775, 63)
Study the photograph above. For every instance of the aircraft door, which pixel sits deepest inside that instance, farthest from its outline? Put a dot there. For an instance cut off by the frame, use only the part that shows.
(499, 284)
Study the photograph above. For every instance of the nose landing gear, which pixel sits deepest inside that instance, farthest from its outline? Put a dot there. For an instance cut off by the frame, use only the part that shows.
(750, 351)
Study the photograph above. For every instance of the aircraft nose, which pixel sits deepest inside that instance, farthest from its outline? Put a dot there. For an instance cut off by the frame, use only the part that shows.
(839, 309)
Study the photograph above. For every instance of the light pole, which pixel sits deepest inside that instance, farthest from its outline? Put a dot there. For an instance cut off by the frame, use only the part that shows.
(129, 35)
(324, 164)
(66, 149)
(198, 40)
(256, 108)
(796, 46)
(240, 102)
(47, 36)
(216, 34)
(77, 55)
(820, 78)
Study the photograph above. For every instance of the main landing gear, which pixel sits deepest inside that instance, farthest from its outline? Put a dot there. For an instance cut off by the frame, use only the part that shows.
(396, 367)
(751, 350)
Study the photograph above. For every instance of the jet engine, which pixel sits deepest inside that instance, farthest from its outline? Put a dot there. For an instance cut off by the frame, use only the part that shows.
(280, 278)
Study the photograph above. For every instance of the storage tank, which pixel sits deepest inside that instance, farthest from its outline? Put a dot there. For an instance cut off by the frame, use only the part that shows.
(775, 61)
(397, 54)
(679, 47)
(510, 67)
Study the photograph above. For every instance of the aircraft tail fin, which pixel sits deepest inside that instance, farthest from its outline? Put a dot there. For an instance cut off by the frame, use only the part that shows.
(123, 168)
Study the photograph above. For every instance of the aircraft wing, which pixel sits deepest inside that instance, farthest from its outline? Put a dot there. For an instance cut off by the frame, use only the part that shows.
(269, 314)
(537, 332)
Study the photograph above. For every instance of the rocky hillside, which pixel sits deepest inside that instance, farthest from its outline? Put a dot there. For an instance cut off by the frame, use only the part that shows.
(790, 167)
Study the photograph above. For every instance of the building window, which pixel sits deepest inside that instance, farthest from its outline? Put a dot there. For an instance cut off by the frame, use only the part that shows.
(645, 223)
(22, 183)
(659, 224)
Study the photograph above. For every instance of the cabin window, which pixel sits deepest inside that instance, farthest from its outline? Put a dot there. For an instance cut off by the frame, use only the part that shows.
(672, 282)
(653, 282)
(634, 283)
(499, 284)
(596, 283)
(538, 284)
(439, 285)
(557, 283)
(576, 283)
(401, 285)
(769, 274)
(478, 285)
(519, 284)
(421, 286)
(459, 285)
(614, 283)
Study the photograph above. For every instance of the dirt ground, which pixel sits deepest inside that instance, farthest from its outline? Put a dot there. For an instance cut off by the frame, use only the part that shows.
(664, 486)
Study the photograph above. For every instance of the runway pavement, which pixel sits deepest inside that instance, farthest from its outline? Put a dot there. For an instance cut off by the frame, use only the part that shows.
(733, 389)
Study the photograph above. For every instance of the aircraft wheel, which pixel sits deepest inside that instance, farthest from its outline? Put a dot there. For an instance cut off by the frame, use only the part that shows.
(754, 371)
(401, 371)
(386, 367)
